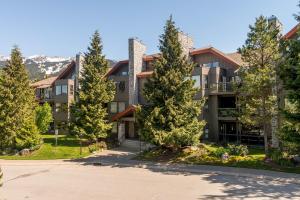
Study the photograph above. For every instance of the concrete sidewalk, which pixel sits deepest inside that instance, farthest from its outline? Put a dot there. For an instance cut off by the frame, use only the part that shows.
(121, 157)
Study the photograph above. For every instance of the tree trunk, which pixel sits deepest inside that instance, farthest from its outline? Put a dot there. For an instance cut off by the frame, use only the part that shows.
(265, 128)
(266, 139)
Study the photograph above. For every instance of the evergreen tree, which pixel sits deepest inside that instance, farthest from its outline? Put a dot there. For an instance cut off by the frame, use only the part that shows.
(171, 118)
(17, 103)
(260, 53)
(95, 92)
(43, 117)
(289, 72)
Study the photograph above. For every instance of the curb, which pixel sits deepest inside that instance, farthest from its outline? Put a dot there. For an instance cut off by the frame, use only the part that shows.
(184, 168)
(188, 169)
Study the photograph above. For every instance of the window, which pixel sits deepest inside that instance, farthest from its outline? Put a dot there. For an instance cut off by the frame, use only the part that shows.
(205, 81)
(58, 90)
(215, 64)
(113, 107)
(72, 89)
(124, 73)
(121, 106)
(57, 107)
(197, 81)
(48, 93)
(114, 127)
(64, 89)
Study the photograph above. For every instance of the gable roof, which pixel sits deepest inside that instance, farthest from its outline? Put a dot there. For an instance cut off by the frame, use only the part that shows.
(67, 70)
(116, 67)
(44, 83)
(50, 81)
(216, 52)
(292, 32)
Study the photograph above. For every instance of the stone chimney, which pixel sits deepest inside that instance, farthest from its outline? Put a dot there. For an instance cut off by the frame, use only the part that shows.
(275, 23)
(186, 41)
(276, 120)
(136, 52)
(78, 69)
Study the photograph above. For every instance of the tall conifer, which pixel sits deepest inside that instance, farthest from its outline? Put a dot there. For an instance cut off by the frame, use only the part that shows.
(17, 103)
(171, 118)
(95, 92)
(289, 72)
(260, 54)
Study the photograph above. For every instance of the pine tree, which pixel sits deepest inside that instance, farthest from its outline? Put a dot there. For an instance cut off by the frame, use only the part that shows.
(17, 103)
(95, 92)
(289, 72)
(260, 53)
(43, 117)
(171, 118)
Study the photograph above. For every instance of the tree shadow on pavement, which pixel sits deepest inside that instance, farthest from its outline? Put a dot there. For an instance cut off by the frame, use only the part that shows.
(237, 187)
(124, 158)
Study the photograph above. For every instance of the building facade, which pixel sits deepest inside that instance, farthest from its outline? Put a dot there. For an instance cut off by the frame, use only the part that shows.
(214, 74)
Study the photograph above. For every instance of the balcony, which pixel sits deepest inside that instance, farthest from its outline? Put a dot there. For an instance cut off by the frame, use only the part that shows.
(221, 87)
(227, 112)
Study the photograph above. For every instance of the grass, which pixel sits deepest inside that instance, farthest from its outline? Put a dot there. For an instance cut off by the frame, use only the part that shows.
(254, 159)
(68, 147)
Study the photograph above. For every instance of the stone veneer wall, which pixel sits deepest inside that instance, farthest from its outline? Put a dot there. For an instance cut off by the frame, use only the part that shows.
(136, 52)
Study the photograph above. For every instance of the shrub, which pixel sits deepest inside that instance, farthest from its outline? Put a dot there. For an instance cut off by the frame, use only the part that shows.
(97, 146)
(279, 157)
(43, 117)
(220, 151)
(238, 150)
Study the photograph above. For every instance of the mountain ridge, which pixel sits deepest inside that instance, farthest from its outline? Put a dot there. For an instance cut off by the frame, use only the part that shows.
(41, 66)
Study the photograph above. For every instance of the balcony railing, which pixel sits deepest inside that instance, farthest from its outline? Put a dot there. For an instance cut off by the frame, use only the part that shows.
(227, 112)
(221, 87)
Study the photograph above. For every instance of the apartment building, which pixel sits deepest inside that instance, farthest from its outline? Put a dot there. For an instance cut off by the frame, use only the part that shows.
(214, 74)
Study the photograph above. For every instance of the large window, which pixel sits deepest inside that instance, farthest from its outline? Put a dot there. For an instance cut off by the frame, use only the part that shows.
(61, 89)
(113, 107)
(197, 81)
(58, 90)
(121, 106)
(64, 89)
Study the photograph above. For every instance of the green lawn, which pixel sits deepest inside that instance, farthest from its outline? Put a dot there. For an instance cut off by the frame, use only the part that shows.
(255, 159)
(67, 148)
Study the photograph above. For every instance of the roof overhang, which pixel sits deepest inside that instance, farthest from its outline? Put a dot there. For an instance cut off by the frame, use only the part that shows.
(292, 32)
(128, 111)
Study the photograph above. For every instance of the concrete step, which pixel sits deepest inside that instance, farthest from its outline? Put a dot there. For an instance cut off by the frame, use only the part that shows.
(136, 144)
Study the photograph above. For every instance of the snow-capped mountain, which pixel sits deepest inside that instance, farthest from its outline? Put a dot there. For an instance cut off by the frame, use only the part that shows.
(41, 65)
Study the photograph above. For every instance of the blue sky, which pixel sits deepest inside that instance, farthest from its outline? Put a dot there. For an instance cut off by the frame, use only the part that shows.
(63, 27)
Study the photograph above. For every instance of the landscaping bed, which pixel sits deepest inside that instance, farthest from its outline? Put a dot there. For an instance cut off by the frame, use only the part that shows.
(208, 154)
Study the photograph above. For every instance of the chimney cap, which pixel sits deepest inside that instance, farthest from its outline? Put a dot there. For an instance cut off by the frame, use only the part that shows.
(136, 39)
